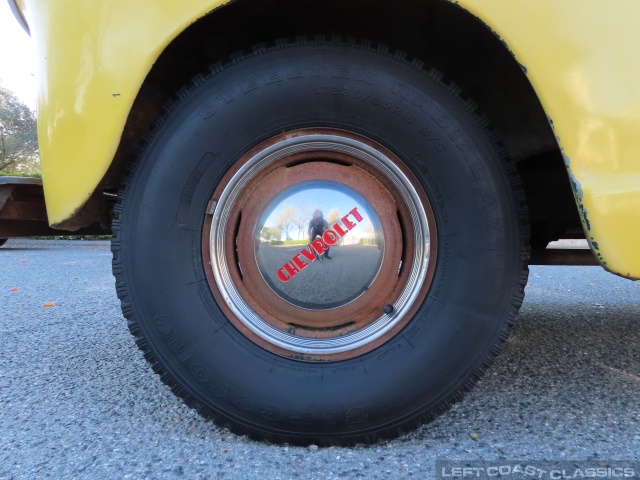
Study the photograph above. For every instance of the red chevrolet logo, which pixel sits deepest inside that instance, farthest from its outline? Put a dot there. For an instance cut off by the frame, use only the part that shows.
(319, 246)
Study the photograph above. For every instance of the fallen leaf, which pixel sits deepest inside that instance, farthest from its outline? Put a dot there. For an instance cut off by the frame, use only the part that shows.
(474, 437)
(14, 289)
(48, 304)
(528, 286)
(23, 261)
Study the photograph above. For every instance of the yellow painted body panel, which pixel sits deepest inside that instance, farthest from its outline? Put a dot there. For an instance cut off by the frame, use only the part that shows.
(580, 57)
(92, 59)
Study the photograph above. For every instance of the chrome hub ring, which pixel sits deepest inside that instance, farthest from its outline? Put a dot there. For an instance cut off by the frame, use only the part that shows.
(315, 147)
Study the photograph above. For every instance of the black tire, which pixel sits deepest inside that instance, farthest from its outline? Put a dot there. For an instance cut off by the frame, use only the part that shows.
(482, 233)
(3, 241)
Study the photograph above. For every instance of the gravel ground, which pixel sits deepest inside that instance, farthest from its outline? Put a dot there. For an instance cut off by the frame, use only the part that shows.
(77, 400)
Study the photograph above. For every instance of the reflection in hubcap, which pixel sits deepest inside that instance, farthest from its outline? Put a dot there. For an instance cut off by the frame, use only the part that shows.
(312, 222)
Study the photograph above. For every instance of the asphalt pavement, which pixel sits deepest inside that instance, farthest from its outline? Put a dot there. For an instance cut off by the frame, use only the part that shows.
(77, 400)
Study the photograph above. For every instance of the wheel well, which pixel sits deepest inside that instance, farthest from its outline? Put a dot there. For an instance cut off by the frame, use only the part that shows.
(438, 32)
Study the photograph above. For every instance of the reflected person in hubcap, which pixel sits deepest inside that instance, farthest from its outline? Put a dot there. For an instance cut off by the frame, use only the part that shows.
(317, 226)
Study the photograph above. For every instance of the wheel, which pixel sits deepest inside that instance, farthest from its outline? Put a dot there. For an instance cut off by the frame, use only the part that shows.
(3, 241)
(425, 222)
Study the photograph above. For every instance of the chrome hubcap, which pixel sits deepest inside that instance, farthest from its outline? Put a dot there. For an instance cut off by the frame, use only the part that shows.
(312, 222)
